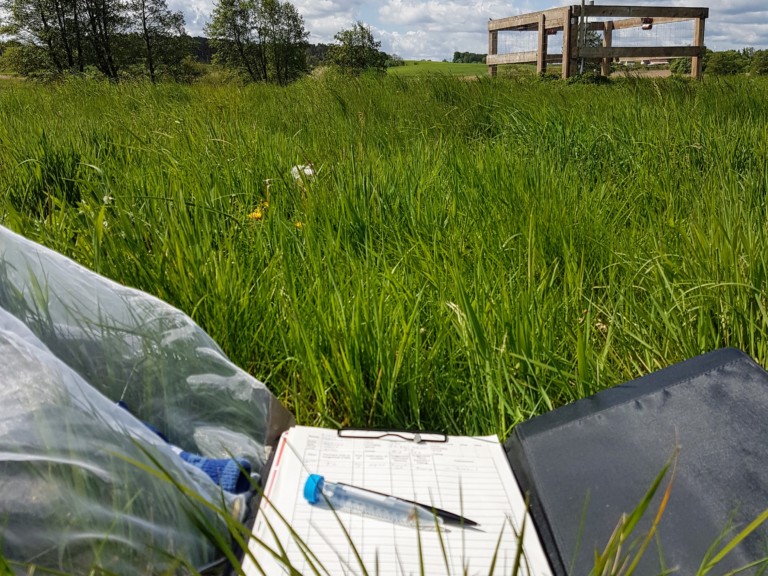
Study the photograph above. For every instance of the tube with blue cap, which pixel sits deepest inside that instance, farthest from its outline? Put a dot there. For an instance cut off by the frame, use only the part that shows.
(345, 498)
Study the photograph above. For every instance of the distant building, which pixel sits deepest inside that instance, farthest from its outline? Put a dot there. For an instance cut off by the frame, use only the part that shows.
(644, 61)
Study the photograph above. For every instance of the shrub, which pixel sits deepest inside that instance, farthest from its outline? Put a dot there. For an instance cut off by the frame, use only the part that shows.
(681, 66)
(759, 64)
(726, 63)
(357, 51)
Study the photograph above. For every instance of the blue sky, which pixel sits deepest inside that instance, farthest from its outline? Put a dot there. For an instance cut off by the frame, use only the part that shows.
(435, 29)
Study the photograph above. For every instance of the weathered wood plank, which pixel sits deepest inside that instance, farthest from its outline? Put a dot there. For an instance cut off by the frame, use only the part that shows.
(493, 48)
(513, 58)
(541, 56)
(555, 23)
(643, 11)
(637, 22)
(605, 65)
(698, 41)
(638, 51)
(567, 42)
(523, 21)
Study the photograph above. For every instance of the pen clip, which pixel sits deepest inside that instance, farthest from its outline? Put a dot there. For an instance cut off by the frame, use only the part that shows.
(415, 436)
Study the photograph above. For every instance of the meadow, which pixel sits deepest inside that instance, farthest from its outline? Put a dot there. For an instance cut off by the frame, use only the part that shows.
(427, 67)
(469, 255)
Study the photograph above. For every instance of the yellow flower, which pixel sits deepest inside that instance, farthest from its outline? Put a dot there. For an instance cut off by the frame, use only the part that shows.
(256, 215)
(299, 225)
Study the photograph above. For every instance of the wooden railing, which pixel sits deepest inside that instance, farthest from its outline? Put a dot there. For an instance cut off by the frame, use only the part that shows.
(567, 19)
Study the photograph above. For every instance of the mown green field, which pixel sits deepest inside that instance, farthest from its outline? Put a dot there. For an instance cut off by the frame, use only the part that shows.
(470, 254)
(422, 67)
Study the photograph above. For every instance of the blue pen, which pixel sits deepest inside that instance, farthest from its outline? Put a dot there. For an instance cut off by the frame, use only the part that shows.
(343, 497)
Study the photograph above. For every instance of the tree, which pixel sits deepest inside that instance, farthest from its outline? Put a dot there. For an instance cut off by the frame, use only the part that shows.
(727, 63)
(57, 37)
(681, 66)
(286, 41)
(106, 21)
(159, 29)
(759, 66)
(357, 51)
(54, 26)
(72, 33)
(265, 39)
(393, 60)
(25, 60)
(468, 58)
(316, 53)
(231, 34)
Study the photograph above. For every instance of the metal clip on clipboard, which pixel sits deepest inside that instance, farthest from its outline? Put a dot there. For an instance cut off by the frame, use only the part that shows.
(415, 436)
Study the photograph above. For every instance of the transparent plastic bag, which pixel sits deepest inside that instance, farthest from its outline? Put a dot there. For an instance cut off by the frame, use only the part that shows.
(79, 476)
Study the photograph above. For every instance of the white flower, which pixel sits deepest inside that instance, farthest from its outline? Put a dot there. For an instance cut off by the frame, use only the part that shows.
(303, 172)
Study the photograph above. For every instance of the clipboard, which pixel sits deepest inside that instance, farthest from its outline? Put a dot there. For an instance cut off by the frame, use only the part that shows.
(470, 475)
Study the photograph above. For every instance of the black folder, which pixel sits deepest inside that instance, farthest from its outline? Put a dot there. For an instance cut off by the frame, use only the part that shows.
(586, 463)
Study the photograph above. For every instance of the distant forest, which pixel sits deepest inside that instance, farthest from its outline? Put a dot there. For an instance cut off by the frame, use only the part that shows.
(468, 58)
(258, 41)
(204, 51)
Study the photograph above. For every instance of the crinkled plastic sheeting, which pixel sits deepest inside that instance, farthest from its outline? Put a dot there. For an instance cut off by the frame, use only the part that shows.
(76, 483)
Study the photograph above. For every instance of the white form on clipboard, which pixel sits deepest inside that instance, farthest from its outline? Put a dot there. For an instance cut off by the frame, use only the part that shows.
(467, 475)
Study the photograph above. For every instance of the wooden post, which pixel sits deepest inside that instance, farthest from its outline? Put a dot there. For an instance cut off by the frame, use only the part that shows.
(607, 41)
(541, 55)
(567, 42)
(698, 40)
(493, 48)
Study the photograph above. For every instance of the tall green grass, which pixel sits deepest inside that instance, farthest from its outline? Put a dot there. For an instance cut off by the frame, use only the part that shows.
(470, 254)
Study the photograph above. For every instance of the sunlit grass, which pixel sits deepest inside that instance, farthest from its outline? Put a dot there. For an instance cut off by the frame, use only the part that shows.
(426, 67)
(471, 254)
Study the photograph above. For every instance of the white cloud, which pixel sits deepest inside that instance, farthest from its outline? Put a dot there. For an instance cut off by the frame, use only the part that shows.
(324, 18)
(426, 45)
(196, 14)
(445, 14)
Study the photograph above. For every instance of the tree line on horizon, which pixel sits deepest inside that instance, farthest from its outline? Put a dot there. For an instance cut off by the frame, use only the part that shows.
(256, 40)
(468, 58)
(110, 36)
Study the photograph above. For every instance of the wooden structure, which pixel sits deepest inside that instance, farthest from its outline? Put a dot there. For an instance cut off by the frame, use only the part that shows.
(576, 21)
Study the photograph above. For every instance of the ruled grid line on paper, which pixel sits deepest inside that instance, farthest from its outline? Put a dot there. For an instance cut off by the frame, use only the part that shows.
(467, 475)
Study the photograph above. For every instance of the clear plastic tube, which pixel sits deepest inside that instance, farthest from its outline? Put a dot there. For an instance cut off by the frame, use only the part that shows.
(346, 498)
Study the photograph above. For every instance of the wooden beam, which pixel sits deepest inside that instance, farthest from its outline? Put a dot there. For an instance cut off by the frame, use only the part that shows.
(605, 66)
(644, 11)
(568, 41)
(639, 52)
(638, 22)
(557, 24)
(554, 23)
(493, 48)
(698, 41)
(513, 58)
(541, 54)
(631, 17)
(523, 21)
